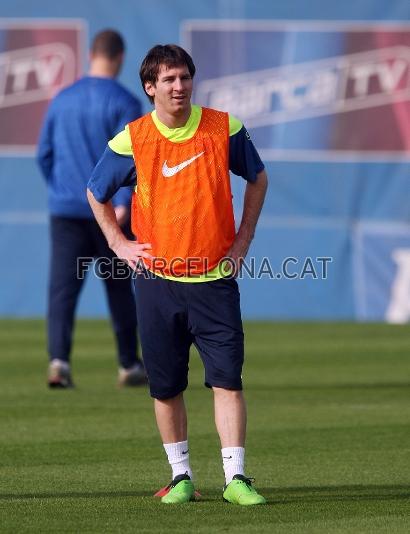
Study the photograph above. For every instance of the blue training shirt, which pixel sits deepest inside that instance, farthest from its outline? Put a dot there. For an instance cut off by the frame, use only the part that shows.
(78, 124)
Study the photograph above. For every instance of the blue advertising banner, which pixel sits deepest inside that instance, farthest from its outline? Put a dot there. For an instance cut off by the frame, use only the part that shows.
(304, 88)
(326, 100)
(328, 106)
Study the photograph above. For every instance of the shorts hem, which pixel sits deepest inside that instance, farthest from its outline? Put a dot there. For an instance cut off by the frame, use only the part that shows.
(233, 387)
(170, 395)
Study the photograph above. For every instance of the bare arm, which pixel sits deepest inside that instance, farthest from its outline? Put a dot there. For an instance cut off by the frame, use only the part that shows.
(122, 214)
(253, 202)
(129, 251)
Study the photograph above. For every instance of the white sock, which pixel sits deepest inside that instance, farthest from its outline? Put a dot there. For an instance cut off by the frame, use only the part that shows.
(233, 461)
(56, 362)
(178, 458)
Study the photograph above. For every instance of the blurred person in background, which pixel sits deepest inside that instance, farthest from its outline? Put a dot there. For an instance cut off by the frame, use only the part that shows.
(79, 122)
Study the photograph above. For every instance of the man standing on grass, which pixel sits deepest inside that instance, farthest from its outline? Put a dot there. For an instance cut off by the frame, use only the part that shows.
(79, 122)
(183, 216)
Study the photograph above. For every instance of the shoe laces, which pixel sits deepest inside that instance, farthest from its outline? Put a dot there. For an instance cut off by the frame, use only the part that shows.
(247, 480)
(177, 480)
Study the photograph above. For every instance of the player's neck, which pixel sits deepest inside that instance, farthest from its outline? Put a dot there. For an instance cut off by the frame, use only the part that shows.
(174, 120)
(100, 67)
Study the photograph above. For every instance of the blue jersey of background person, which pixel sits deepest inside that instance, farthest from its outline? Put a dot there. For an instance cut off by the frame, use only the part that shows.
(80, 144)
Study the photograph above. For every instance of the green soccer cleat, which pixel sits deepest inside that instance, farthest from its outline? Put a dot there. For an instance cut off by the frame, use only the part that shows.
(240, 491)
(180, 490)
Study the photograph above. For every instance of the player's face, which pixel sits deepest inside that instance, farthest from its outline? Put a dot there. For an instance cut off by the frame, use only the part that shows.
(172, 91)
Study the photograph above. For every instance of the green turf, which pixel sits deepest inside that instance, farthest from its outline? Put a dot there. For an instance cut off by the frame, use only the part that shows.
(328, 436)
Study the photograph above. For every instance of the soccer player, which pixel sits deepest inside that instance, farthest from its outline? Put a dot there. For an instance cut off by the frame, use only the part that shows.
(182, 213)
(79, 122)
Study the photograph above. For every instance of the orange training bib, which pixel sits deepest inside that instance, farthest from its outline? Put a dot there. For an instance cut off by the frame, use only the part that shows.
(183, 202)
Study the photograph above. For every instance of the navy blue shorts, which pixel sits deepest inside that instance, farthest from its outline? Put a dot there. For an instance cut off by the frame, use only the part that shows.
(174, 315)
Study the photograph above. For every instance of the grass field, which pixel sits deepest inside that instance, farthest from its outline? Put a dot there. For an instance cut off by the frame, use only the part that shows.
(328, 436)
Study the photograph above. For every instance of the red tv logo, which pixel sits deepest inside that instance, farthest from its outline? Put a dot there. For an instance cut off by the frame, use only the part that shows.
(312, 89)
(35, 73)
(318, 90)
(37, 59)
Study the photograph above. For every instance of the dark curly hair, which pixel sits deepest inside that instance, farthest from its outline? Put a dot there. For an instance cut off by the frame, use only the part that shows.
(170, 55)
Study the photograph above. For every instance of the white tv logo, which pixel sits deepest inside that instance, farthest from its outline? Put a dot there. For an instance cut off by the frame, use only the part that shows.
(398, 310)
(314, 88)
(35, 73)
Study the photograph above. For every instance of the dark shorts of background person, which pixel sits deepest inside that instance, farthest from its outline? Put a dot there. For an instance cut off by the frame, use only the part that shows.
(174, 315)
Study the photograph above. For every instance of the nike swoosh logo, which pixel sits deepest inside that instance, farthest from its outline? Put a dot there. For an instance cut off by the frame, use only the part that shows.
(167, 172)
(227, 457)
(185, 452)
